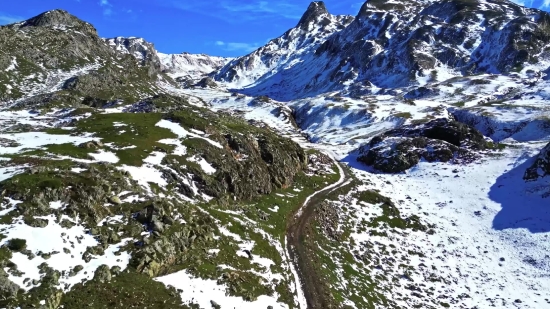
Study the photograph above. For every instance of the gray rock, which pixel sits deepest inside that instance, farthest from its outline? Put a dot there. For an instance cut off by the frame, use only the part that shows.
(115, 200)
(7, 288)
(215, 305)
(103, 274)
(158, 226)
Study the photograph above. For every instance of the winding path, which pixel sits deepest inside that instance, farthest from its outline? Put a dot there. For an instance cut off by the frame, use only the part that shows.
(309, 289)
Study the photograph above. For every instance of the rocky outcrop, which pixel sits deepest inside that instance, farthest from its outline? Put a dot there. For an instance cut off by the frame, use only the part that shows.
(142, 50)
(440, 140)
(541, 167)
(248, 165)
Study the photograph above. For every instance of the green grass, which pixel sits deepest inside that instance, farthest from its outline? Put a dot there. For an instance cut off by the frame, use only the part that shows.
(140, 131)
(127, 290)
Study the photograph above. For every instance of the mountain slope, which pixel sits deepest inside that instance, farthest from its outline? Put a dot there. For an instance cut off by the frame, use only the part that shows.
(391, 44)
(285, 52)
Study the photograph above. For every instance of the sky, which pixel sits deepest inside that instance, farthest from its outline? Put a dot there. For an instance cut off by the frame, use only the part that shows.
(215, 27)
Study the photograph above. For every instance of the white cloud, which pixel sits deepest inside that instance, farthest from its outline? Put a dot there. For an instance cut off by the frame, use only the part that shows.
(107, 7)
(236, 46)
(6, 19)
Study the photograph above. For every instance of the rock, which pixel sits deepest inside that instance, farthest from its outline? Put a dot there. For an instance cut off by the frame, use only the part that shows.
(263, 215)
(115, 200)
(53, 300)
(158, 226)
(541, 166)
(116, 270)
(167, 220)
(207, 82)
(8, 289)
(215, 305)
(103, 274)
(35, 222)
(249, 254)
(440, 140)
(16, 244)
(91, 145)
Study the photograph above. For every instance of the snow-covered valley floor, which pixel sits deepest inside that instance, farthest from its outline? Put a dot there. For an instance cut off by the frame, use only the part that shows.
(492, 229)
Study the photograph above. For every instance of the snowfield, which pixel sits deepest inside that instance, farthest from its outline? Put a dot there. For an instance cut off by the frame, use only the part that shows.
(492, 229)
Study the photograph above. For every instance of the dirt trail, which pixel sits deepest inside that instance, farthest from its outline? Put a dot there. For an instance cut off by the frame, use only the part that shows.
(311, 292)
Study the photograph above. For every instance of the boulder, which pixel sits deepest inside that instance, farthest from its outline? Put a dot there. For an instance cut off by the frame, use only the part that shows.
(103, 274)
(7, 288)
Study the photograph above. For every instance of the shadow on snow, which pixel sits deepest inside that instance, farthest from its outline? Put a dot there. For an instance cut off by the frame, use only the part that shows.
(523, 204)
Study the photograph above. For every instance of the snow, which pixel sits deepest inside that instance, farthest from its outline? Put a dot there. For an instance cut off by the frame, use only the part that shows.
(206, 167)
(203, 291)
(53, 238)
(155, 158)
(56, 205)
(105, 156)
(180, 149)
(13, 65)
(33, 140)
(183, 133)
(494, 215)
(192, 65)
(145, 174)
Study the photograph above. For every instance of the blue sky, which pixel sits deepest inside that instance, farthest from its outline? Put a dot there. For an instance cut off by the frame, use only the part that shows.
(215, 27)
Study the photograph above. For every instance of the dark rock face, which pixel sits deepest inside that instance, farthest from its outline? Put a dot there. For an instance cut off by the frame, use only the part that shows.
(451, 131)
(207, 82)
(313, 12)
(250, 165)
(541, 167)
(441, 140)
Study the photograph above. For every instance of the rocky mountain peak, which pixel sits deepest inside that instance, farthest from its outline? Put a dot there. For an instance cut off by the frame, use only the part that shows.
(315, 10)
(56, 19)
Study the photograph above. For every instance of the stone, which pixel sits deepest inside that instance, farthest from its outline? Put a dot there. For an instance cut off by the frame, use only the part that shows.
(215, 305)
(103, 274)
(7, 288)
(115, 200)
(158, 226)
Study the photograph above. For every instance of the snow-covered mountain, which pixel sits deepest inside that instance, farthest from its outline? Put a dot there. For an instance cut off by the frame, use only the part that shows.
(270, 63)
(393, 44)
(194, 65)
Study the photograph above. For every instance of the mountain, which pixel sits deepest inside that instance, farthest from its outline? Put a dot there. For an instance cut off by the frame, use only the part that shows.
(55, 58)
(282, 54)
(391, 45)
(189, 65)
(195, 66)
(395, 159)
